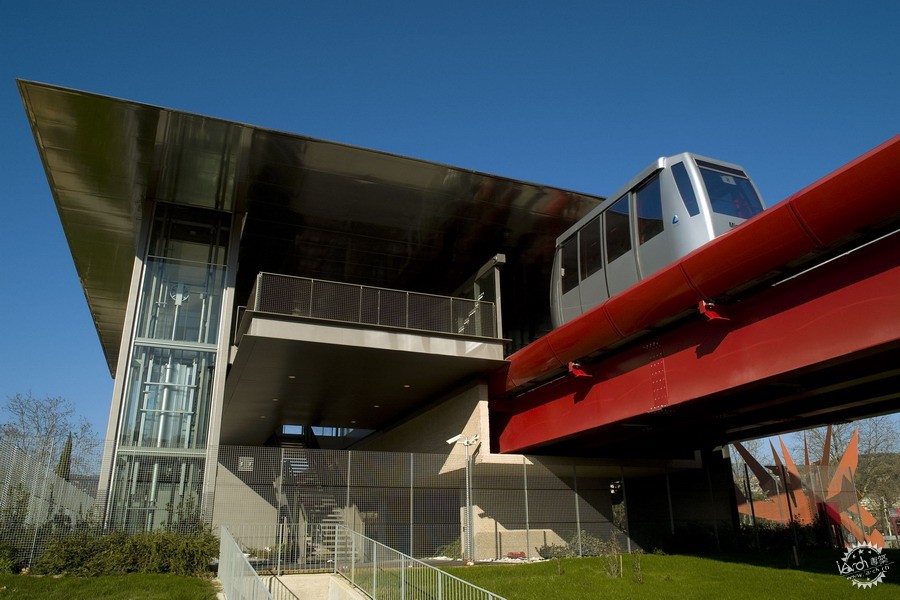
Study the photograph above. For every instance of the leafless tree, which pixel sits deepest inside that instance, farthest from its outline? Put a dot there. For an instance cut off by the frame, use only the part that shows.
(40, 427)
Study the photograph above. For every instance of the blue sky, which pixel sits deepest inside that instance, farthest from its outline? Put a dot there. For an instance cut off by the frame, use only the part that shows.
(580, 95)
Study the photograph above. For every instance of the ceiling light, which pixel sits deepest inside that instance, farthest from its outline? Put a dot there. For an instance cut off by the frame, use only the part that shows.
(292, 377)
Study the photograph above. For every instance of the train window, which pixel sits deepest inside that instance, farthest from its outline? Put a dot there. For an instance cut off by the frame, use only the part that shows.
(683, 181)
(618, 234)
(730, 194)
(589, 241)
(649, 210)
(569, 272)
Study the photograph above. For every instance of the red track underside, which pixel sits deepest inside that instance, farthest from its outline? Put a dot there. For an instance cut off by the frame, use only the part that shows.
(847, 309)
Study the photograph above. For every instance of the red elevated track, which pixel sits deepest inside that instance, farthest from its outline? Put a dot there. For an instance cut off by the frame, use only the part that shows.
(818, 347)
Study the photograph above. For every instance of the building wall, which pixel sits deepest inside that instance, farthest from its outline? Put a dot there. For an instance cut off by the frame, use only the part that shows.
(690, 509)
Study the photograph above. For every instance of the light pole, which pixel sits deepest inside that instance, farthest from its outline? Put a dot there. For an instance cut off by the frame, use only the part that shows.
(469, 552)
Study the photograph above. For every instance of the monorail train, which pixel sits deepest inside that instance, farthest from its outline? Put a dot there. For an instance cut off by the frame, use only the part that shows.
(672, 207)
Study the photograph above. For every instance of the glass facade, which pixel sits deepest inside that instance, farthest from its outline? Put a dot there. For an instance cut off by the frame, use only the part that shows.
(164, 420)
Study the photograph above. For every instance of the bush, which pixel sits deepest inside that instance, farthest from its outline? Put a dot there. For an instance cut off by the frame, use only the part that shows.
(769, 536)
(591, 545)
(451, 550)
(8, 561)
(87, 554)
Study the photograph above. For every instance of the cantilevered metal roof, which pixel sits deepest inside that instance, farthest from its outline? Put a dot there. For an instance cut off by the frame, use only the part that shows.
(311, 208)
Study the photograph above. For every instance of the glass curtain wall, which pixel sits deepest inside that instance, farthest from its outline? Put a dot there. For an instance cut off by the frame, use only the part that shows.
(163, 426)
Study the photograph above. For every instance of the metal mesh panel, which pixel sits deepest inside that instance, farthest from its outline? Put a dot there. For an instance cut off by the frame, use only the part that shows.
(474, 318)
(383, 307)
(335, 301)
(282, 294)
(430, 313)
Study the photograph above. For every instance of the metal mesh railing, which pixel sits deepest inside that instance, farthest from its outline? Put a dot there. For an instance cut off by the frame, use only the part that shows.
(332, 301)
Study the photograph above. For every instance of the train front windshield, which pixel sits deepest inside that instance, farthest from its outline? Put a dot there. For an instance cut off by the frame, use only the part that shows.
(730, 192)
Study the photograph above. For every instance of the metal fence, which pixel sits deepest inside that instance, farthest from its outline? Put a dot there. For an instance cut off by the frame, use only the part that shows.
(806, 501)
(272, 499)
(41, 498)
(332, 301)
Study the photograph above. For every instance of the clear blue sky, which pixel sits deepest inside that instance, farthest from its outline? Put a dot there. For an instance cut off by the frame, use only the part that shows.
(579, 95)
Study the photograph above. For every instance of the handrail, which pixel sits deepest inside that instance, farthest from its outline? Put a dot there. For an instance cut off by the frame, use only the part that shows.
(239, 579)
(379, 571)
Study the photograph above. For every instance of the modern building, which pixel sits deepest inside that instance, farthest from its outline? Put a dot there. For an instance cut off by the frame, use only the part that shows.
(256, 288)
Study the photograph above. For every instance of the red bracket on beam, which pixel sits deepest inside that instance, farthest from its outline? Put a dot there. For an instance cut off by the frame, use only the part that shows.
(711, 311)
(576, 370)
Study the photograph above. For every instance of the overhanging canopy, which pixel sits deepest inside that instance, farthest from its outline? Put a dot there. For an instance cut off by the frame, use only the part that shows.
(312, 208)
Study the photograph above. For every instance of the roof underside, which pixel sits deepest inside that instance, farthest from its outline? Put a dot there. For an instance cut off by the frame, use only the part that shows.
(312, 208)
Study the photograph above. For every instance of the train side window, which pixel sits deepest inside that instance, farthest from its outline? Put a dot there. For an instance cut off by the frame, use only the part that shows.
(591, 255)
(618, 233)
(649, 210)
(569, 273)
(683, 181)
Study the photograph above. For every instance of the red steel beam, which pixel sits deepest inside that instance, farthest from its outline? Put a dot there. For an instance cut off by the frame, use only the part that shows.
(861, 194)
(845, 307)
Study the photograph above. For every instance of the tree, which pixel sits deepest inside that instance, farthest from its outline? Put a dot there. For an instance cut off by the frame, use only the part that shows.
(42, 428)
(64, 467)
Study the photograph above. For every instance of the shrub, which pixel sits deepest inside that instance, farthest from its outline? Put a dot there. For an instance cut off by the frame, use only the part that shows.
(8, 561)
(451, 550)
(87, 554)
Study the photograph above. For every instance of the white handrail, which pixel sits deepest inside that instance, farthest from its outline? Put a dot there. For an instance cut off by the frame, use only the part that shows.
(239, 579)
(380, 571)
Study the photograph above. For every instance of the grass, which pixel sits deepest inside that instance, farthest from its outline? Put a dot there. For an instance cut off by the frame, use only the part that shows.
(717, 577)
(119, 587)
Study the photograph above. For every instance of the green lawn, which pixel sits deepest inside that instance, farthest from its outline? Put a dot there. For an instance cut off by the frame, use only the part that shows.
(125, 587)
(715, 577)
(722, 577)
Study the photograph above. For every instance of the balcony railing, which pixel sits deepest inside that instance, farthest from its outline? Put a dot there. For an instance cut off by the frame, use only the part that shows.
(364, 305)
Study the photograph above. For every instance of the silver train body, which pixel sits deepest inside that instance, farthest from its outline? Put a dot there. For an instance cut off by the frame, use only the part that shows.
(669, 209)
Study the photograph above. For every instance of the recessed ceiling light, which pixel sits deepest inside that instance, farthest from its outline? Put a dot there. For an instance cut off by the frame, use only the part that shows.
(376, 406)
(274, 399)
(406, 385)
(292, 377)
